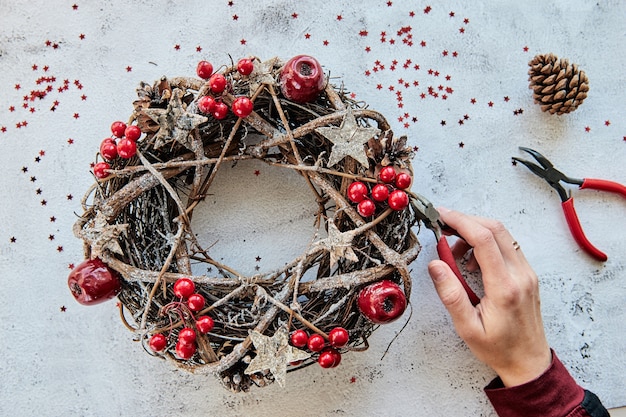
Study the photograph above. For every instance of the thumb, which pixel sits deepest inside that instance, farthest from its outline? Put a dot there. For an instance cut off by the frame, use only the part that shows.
(451, 293)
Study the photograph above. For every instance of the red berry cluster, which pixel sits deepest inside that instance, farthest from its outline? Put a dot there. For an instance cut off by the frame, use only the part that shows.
(391, 190)
(329, 356)
(218, 84)
(190, 302)
(122, 144)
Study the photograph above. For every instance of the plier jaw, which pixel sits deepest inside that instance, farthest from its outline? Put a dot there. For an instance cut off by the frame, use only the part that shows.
(548, 172)
(428, 214)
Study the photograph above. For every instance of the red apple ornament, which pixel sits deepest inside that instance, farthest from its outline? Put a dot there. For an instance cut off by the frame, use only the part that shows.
(93, 282)
(382, 302)
(302, 79)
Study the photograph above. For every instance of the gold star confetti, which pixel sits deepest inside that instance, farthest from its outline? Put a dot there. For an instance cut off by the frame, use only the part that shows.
(348, 139)
(274, 353)
(338, 244)
(102, 236)
(175, 123)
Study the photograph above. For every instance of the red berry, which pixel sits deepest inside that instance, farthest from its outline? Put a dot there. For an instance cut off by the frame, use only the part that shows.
(357, 191)
(245, 66)
(366, 208)
(299, 338)
(242, 106)
(398, 200)
(380, 192)
(187, 336)
(126, 148)
(157, 342)
(220, 111)
(185, 351)
(206, 104)
(338, 337)
(316, 343)
(302, 79)
(204, 324)
(93, 282)
(132, 132)
(382, 302)
(403, 181)
(217, 83)
(118, 128)
(329, 358)
(387, 174)
(204, 70)
(184, 287)
(196, 302)
(100, 170)
(108, 149)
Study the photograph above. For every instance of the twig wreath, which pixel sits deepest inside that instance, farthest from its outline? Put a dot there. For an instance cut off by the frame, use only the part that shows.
(158, 167)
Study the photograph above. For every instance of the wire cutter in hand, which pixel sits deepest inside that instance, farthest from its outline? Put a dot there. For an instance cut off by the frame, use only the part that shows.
(554, 177)
(429, 215)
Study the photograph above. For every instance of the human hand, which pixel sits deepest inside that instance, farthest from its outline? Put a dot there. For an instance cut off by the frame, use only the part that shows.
(505, 329)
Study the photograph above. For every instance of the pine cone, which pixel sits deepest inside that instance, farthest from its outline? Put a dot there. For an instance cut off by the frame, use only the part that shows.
(558, 86)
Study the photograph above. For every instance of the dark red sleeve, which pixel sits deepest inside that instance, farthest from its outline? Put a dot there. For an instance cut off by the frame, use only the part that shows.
(553, 394)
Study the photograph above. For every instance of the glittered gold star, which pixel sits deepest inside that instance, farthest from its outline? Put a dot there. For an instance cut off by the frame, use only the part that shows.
(338, 244)
(175, 123)
(348, 139)
(274, 353)
(102, 236)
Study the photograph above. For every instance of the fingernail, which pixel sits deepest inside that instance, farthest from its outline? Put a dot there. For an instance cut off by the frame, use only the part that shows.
(443, 210)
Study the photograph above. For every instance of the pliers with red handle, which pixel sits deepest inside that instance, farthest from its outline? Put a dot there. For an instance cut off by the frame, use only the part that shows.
(554, 177)
(428, 214)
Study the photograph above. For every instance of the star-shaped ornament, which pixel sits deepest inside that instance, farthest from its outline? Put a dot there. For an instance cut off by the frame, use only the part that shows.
(274, 353)
(263, 74)
(338, 244)
(348, 139)
(102, 236)
(175, 123)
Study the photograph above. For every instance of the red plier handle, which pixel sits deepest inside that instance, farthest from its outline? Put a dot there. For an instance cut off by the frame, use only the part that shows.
(604, 185)
(427, 213)
(445, 254)
(572, 218)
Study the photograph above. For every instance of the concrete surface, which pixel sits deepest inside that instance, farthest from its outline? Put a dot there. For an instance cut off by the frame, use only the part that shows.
(59, 358)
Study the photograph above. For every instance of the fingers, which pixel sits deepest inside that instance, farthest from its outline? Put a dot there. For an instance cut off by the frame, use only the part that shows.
(479, 235)
(453, 296)
(493, 249)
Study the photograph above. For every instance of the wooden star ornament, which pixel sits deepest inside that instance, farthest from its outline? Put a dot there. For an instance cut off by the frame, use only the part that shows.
(263, 74)
(102, 236)
(274, 353)
(348, 139)
(338, 244)
(175, 122)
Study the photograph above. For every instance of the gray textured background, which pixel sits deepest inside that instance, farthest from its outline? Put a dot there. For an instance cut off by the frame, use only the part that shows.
(82, 361)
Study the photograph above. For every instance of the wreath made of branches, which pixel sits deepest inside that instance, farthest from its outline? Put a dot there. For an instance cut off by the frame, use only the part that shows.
(136, 224)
